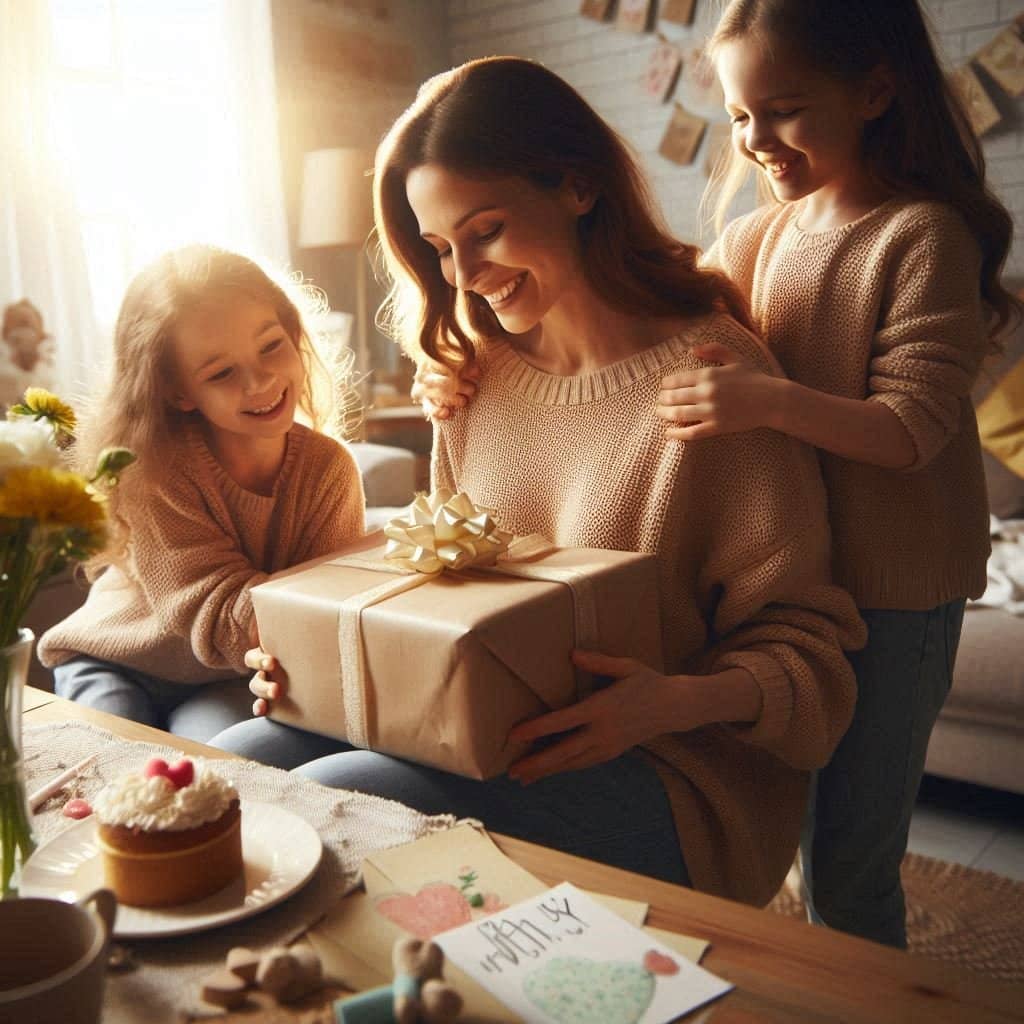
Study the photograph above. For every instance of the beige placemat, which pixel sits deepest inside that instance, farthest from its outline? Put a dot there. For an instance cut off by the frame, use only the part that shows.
(164, 987)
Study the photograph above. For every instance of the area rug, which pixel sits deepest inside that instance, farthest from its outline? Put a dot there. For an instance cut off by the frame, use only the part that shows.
(954, 913)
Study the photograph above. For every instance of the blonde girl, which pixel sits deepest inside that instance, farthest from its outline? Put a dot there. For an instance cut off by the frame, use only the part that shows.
(873, 273)
(211, 363)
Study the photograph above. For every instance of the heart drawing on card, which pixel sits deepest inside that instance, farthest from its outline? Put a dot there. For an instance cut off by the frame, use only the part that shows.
(658, 963)
(574, 990)
(434, 909)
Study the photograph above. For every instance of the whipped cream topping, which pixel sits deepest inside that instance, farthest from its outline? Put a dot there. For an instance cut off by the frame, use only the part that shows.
(153, 804)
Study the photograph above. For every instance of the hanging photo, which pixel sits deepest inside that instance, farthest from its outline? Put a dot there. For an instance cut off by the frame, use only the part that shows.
(662, 70)
(633, 15)
(682, 136)
(598, 10)
(1003, 59)
(981, 111)
(719, 137)
(678, 11)
(700, 83)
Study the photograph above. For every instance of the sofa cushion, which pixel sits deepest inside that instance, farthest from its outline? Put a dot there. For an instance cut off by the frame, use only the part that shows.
(988, 683)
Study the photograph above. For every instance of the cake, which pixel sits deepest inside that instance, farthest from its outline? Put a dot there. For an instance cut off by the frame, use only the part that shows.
(169, 834)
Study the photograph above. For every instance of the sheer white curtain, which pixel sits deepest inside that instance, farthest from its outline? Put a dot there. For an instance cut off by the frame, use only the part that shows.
(129, 126)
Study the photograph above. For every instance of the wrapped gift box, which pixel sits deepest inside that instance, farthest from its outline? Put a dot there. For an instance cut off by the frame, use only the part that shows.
(451, 665)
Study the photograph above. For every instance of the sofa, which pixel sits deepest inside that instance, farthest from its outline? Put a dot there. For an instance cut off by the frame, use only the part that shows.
(979, 736)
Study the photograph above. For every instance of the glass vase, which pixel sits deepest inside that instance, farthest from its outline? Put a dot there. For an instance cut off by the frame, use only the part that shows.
(16, 839)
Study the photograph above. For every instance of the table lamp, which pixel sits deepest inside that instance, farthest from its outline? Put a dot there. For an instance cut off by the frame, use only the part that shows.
(337, 211)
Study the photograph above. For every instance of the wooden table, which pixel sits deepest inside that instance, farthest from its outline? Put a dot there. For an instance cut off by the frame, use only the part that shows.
(785, 971)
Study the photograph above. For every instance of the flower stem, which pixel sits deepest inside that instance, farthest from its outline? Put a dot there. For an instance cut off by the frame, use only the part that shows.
(16, 841)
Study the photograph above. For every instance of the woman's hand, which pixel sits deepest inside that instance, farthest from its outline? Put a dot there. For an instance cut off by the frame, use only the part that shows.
(440, 391)
(724, 399)
(602, 726)
(263, 688)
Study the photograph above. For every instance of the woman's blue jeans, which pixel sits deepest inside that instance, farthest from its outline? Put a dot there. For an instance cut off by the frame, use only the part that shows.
(855, 833)
(617, 813)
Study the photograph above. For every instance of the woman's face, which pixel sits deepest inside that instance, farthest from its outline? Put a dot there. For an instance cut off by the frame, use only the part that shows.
(507, 240)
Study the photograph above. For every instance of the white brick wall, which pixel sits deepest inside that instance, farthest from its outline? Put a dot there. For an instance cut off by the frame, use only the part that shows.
(607, 65)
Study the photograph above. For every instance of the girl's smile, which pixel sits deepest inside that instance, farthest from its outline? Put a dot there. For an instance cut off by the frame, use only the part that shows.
(236, 365)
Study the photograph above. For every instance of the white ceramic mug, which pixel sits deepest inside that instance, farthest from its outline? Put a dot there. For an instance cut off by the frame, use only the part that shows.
(53, 958)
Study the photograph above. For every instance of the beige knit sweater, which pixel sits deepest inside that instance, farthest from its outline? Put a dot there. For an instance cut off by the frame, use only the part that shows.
(180, 608)
(888, 309)
(738, 526)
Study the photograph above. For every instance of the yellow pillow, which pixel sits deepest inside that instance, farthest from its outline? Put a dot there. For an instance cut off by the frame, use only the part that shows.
(1001, 420)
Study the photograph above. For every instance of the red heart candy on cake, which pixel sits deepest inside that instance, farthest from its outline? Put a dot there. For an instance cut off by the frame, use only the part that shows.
(178, 775)
(658, 963)
(182, 773)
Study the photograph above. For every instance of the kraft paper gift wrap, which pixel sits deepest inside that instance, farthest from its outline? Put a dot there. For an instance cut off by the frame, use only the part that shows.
(438, 669)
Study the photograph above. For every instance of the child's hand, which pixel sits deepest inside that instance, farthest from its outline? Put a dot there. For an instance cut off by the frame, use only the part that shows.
(262, 687)
(440, 391)
(723, 399)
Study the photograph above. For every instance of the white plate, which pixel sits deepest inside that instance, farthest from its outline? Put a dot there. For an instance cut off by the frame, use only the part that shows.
(281, 851)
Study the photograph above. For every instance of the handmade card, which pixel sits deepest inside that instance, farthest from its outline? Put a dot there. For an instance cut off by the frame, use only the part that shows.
(562, 958)
(682, 136)
(981, 111)
(679, 11)
(1003, 59)
(662, 70)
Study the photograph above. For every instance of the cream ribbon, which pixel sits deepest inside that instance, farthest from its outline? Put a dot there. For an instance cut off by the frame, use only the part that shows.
(464, 537)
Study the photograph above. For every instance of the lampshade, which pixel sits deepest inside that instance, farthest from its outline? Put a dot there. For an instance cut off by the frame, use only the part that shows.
(337, 204)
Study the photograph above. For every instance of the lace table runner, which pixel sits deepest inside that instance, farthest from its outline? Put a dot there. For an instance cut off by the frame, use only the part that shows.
(165, 985)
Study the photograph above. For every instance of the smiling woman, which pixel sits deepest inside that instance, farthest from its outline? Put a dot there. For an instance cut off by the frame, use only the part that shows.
(520, 236)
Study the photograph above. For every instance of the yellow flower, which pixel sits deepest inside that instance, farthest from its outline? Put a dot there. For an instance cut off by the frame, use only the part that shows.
(41, 405)
(54, 498)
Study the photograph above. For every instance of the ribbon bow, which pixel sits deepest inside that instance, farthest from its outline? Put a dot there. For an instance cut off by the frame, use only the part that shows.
(442, 531)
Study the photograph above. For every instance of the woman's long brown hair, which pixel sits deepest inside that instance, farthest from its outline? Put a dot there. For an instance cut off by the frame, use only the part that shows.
(510, 117)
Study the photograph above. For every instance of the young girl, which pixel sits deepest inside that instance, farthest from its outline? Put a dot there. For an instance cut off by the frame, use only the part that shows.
(873, 275)
(212, 361)
(521, 237)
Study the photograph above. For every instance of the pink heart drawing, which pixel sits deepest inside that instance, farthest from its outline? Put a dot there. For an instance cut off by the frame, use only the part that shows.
(658, 963)
(434, 909)
(178, 775)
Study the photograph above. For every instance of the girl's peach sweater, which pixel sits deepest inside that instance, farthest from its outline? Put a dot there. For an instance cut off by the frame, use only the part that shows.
(886, 309)
(179, 608)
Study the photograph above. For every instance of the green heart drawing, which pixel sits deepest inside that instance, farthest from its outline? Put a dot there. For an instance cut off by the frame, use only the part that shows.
(572, 990)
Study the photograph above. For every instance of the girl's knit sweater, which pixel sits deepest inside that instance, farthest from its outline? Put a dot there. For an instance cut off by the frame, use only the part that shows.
(738, 526)
(179, 608)
(887, 309)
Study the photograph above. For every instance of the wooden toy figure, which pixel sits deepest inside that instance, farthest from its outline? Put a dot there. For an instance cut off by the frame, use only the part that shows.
(417, 995)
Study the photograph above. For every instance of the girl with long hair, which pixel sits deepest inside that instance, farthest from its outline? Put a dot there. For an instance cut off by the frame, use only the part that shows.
(212, 360)
(873, 273)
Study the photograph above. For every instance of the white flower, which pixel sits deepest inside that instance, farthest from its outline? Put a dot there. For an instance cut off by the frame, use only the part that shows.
(25, 442)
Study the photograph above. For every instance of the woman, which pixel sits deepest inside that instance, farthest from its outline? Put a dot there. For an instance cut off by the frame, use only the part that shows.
(520, 236)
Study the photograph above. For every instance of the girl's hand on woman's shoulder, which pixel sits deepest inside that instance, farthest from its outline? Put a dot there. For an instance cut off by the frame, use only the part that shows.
(442, 392)
(261, 686)
(728, 398)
